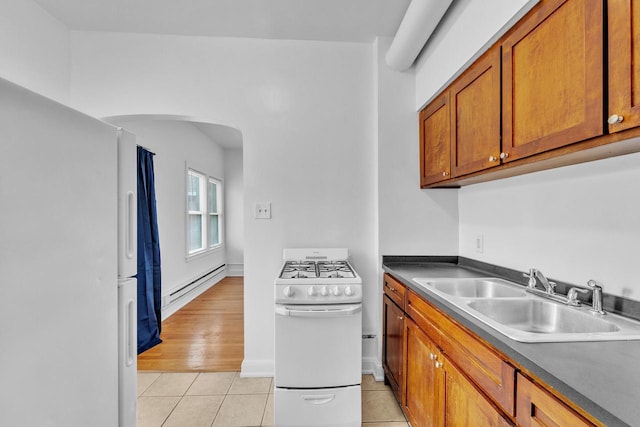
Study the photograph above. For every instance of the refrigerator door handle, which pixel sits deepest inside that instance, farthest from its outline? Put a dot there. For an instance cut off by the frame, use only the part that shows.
(131, 333)
(131, 239)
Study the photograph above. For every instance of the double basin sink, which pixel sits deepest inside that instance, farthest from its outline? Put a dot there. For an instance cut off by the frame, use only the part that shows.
(522, 316)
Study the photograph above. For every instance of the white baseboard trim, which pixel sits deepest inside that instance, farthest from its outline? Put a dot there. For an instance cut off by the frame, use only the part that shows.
(235, 269)
(371, 365)
(177, 304)
(257, 368)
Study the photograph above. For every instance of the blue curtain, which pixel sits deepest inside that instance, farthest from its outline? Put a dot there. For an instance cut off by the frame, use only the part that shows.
(149, 291)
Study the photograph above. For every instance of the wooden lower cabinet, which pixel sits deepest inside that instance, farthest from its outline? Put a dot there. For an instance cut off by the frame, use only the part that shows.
(465, 405)
(437, 393)
(446, 375)
(537, 407)
(392, 350)
(424, 381)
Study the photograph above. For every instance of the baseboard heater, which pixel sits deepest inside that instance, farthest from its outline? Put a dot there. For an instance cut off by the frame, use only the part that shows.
(193, 284)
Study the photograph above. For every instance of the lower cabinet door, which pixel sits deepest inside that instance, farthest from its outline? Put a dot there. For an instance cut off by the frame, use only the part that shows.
(392, 349)
(424, 396)
(465, 405)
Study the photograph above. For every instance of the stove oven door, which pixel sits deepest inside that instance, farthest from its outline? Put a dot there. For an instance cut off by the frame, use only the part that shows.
(318, 346)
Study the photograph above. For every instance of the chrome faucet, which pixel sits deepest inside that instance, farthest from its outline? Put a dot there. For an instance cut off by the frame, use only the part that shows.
(596, 305)
(536, 276)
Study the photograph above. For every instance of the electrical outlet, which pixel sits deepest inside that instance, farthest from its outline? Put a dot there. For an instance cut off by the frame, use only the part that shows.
(262, 210)
(480, 243)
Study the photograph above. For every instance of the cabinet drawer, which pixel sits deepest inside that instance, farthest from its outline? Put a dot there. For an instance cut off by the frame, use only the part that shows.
(394, 289)
(536, 407)
(474, 358)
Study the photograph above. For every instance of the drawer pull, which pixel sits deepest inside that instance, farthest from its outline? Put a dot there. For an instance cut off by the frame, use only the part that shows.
(615, 118)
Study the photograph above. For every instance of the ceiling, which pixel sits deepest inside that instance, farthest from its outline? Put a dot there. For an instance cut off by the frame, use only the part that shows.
(323, 20)
(225, 136)
(357, 21)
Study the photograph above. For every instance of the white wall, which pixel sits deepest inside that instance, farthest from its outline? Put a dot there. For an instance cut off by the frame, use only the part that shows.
(35, 49)
(411, 221)
(574, 223)
(234, 211)
(466, 28)
(176, 145)
(305, 111)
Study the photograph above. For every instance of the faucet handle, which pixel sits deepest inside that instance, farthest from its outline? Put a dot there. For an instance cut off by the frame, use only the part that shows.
(594, 284)
(572, 296)
(532, 277)
(597, 300)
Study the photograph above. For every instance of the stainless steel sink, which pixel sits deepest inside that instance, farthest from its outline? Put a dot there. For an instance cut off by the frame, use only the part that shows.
(474, 288)
(525, 317)
(541, 317)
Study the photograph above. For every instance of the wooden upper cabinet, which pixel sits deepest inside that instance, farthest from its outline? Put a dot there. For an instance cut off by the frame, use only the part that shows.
(475, 110)
(624, 64)
(435, 141)
(552, 93)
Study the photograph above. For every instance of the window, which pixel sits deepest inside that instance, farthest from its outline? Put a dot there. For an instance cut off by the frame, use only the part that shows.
(204, 225)
(213, 209)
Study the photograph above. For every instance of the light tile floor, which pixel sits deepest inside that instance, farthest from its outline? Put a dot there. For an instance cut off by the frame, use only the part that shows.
(212, 399)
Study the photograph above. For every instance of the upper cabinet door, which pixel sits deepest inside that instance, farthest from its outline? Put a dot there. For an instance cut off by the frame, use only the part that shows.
(435, 141)
(553, 78)
(624, 64)
(475, 110)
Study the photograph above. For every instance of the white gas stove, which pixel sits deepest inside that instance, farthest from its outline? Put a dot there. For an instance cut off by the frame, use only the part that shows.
(318, 345)
(317, 276)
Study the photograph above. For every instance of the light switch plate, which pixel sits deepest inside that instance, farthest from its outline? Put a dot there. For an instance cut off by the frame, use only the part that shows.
(480, 243)
(262, 210)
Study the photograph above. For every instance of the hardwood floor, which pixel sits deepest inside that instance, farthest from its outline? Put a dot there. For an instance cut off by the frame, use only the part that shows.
(207, 335)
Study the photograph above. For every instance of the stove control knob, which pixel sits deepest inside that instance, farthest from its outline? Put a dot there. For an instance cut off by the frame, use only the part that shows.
(348, 291)
(324, 291)
(337, 291)
(288, 292)
(312, 291)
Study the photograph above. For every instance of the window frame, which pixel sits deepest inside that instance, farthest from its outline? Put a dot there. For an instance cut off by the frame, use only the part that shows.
(218, 212)
(204, 181)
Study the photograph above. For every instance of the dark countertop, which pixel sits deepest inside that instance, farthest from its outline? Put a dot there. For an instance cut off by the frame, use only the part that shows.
(603, 377)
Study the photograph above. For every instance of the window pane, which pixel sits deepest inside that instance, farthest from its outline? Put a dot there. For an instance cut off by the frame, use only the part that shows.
(214, 235)
(213, 197)
(193, 193)
(195, 232)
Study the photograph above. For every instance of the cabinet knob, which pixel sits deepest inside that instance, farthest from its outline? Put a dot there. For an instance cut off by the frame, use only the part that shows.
(504, 155)
(432, 356)
(614, 118)
(400, 317)
(445, 173)
(439, 364)
(492, 158)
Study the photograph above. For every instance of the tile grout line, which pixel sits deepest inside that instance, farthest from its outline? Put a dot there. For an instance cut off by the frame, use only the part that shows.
(179, 400)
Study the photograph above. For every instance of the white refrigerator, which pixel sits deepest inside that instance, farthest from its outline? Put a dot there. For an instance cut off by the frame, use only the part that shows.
(59, 267)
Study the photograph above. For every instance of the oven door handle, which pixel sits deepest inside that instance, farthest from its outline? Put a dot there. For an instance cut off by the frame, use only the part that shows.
(316, 313)
(318, 399)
